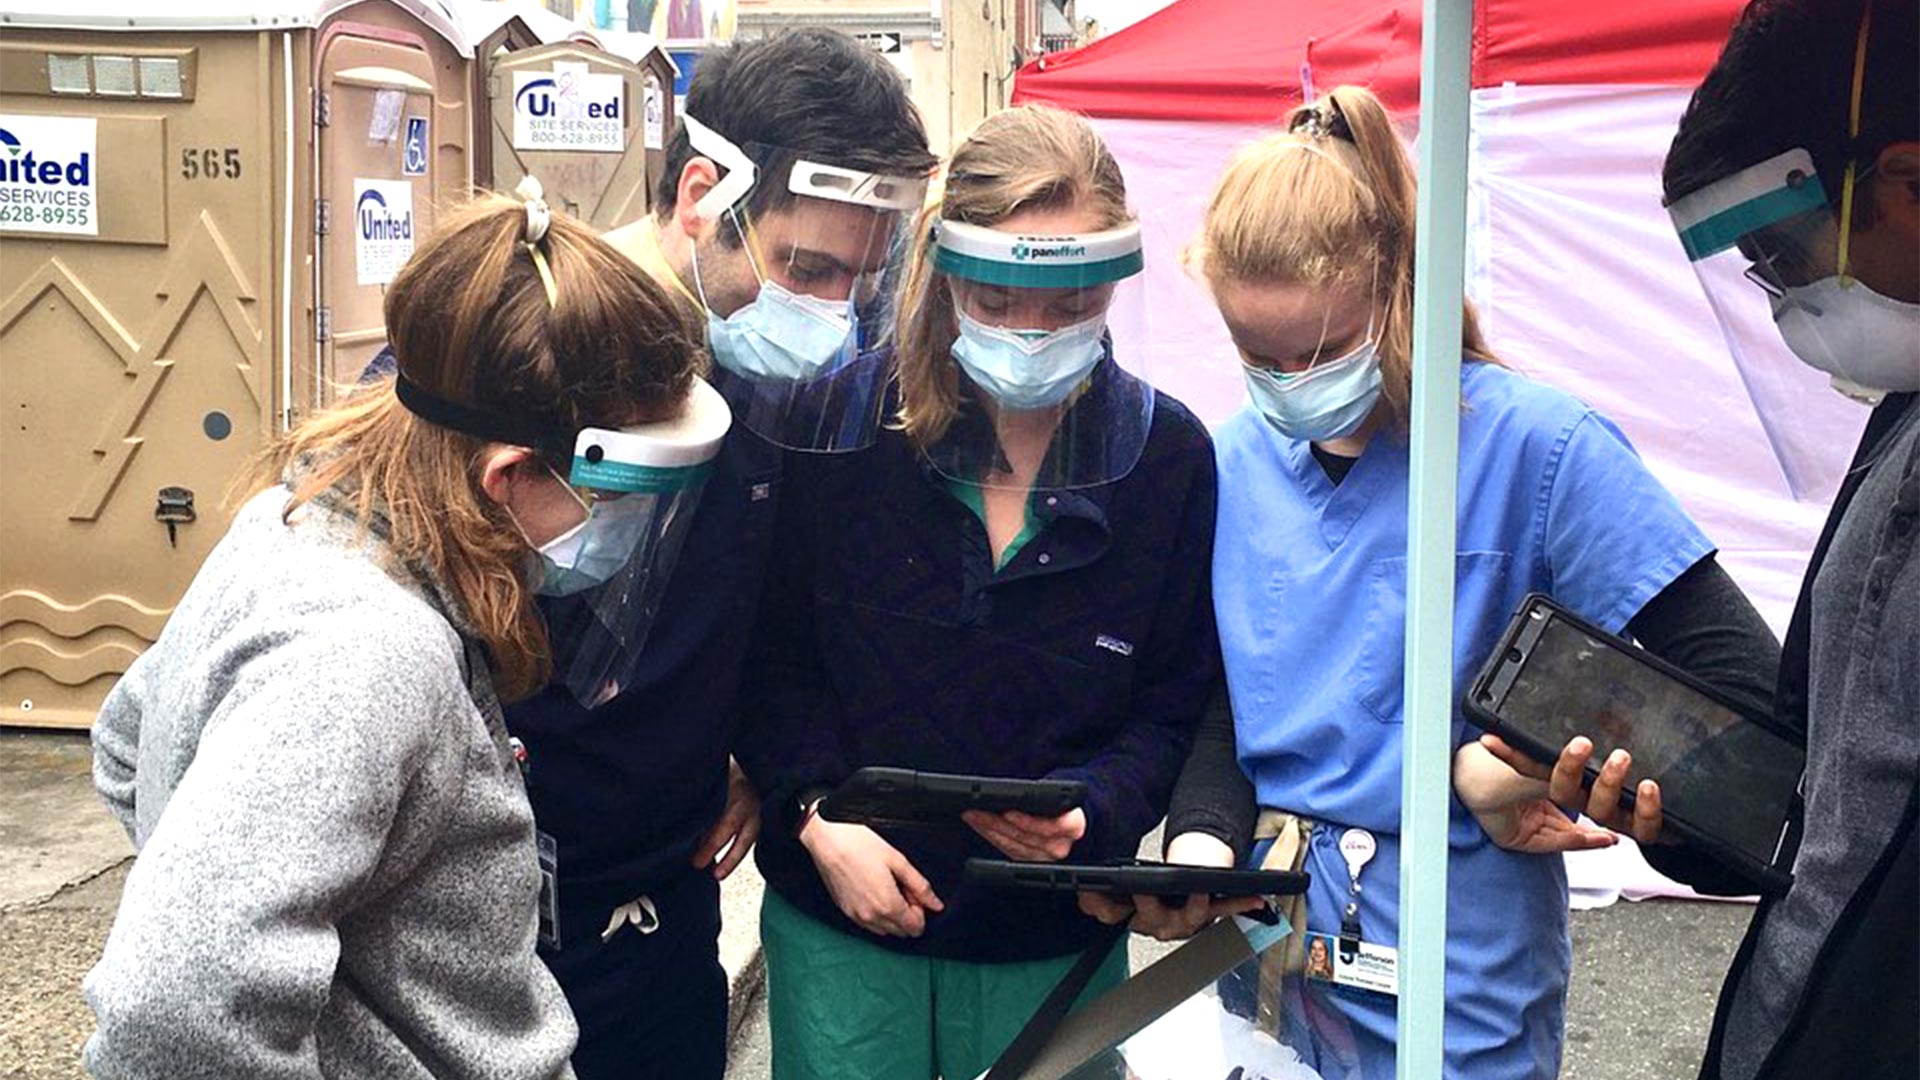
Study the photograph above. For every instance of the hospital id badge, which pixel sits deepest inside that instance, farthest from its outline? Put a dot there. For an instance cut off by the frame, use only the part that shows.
(549, 890)
(1353, 965)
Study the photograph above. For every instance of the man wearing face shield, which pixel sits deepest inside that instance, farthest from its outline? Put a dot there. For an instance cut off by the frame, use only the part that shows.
(774, 214)
(1800, 154)
(1794, 184)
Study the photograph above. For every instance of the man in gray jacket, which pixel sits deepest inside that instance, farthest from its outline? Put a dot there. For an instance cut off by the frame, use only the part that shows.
(1798, 165)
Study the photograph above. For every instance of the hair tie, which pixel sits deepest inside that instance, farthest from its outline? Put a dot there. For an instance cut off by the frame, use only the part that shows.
(1323, 121)
(539, 221)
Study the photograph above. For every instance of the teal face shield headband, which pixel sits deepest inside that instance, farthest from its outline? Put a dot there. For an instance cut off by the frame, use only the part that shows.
(1763, 196)
(992, 257)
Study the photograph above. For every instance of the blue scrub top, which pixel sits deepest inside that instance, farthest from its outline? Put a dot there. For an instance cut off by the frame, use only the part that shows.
(1310, 592)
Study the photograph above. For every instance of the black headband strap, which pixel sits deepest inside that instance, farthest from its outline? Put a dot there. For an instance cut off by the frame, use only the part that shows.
(479, 423)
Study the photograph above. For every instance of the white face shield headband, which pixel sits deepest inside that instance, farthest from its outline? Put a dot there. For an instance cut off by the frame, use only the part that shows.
(793, 359)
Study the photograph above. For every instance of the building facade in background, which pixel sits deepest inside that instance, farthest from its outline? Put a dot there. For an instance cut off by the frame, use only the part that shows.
(958, 56)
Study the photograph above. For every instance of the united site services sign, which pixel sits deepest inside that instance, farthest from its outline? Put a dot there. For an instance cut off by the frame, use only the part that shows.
(382, 229)
(569, 108)
(48, 175)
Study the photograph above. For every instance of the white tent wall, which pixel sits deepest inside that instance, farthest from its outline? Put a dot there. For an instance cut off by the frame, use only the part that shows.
(1580, 283)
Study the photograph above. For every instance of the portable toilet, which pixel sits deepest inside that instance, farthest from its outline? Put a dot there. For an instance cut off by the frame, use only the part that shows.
(200, 203)
(495, 28)
(658, 76)
(583, 121)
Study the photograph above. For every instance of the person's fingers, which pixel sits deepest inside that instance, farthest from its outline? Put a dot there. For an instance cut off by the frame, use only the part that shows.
(1021, 847)
(1649, 817)
(1570, 772)
(1514, 759)
(912, 920)
(1555, 832)
(873, 916)
(716, 838)
(746, 834)
(1008, 842)
(913, 885)
(1151, 915)
(1589, 838)
(1238, 905)
(1189, 918)
(736, 854)
(1026, 822)
(1108, 909)
(991, 829)
(1603, 802)
(1071, 825)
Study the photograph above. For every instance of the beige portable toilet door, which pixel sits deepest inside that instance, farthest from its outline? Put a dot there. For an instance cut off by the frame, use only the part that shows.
(569, 114)
(137, 366)
(377, 188)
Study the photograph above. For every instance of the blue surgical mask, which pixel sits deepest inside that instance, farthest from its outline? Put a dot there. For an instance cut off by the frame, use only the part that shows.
(591, 553)
(781, 334)
(1328, 401)
(1028, 369)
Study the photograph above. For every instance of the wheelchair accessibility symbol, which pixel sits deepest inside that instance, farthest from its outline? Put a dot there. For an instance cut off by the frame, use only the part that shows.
(415, 162)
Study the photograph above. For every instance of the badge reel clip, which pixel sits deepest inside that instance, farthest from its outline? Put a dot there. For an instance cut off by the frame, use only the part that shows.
(1357, 847)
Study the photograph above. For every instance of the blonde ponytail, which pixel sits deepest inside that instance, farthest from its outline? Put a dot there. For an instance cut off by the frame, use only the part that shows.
(1328, 202)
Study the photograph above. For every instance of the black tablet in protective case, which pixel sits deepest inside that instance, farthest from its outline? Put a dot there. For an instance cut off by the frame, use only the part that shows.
(1727, 777)
(1137, 877)
(884, 796)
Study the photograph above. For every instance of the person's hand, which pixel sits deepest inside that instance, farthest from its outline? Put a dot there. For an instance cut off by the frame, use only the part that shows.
(737, 829)
(1566, 782)
(1154, 916)
(869, 880)
(1026, 838)
(1515, 808)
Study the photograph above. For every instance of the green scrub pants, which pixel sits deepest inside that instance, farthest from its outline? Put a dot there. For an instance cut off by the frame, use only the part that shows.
(846, 1009)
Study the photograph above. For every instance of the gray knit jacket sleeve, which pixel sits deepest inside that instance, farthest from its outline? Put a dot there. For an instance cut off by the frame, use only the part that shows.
(226, 946)
(116, 749)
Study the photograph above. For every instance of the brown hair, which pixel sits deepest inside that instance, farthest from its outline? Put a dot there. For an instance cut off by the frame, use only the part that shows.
(470, 322)
(1328, 201)
(1025, 158)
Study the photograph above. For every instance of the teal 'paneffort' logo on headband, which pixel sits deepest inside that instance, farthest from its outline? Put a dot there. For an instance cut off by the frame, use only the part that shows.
(1023, 252)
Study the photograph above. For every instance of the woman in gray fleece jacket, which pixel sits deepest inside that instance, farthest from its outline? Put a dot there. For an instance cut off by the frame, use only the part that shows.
(337, 872)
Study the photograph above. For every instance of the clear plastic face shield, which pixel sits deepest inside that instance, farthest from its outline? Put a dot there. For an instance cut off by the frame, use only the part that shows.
(639, 487)
(1772, 250)
(622, 508)
(797, 294)
(1042, 405)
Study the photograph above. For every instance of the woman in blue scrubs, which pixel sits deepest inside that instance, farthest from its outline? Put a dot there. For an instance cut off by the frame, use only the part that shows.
(1307, 247)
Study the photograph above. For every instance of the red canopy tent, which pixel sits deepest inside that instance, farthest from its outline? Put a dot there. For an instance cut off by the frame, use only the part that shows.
(1230, 61)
